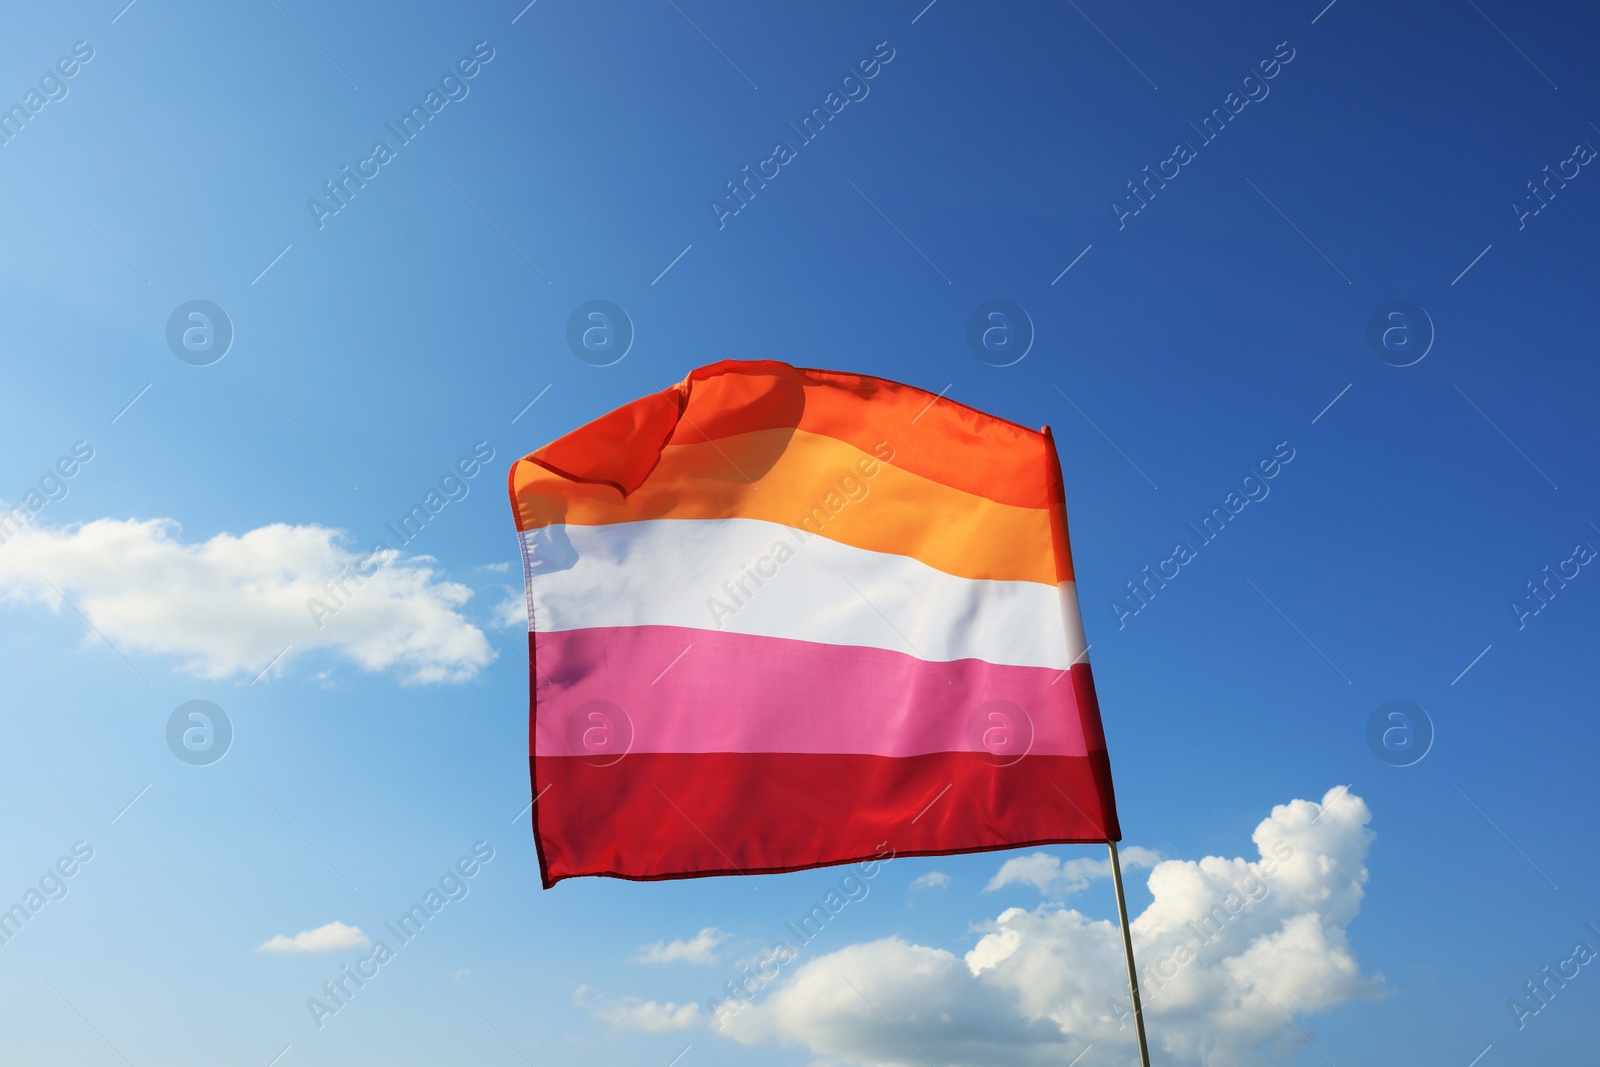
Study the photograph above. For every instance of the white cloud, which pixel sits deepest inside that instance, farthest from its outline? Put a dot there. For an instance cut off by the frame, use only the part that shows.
(512, 612)
(329, 938)
(931, 880)
(1056, 877)
(700, 949)
(1224, 947)
(227, 606)
(631, 1013)
(836, 1006)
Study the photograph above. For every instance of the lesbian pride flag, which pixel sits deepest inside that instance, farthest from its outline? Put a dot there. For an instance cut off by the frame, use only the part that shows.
(783, 618)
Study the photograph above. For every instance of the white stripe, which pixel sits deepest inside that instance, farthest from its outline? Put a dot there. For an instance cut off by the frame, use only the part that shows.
(795, 585)
(1072, 620)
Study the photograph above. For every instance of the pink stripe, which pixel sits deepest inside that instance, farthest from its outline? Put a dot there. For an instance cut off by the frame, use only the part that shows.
(605, 692)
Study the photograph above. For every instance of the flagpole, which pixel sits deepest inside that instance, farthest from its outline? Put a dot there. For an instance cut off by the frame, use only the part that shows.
(1127, 947)
(1058, 523)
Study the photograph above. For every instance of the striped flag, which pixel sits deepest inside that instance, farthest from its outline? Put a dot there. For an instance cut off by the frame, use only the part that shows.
(784, 618)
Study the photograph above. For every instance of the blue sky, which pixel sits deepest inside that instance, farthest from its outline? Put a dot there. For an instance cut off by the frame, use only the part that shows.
(374, 348)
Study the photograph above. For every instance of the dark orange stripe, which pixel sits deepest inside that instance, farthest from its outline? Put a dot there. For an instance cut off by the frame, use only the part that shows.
(937, 438)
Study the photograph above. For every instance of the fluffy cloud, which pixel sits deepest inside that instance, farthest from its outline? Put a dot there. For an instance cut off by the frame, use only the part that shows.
(511, 612)
(631, 1013)
(700, 949)
(1230, 951)
(229, 605)
(330, 938)
(1054, 876)
(893, 1002)
(931, 880)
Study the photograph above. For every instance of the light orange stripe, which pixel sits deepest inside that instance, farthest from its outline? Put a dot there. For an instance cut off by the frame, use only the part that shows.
(818, 484)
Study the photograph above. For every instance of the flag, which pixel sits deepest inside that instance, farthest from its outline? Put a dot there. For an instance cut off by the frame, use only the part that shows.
(784, 618)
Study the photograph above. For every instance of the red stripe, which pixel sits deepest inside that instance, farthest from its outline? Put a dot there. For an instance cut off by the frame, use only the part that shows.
(664, 815)
(606, 691)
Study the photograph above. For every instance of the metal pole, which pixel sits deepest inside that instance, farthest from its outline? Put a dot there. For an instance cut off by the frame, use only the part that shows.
(1127, 947)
